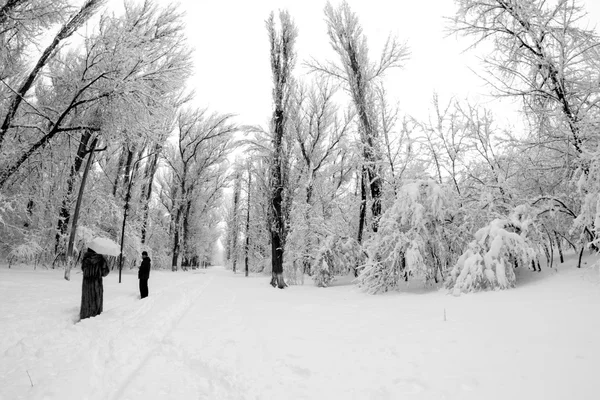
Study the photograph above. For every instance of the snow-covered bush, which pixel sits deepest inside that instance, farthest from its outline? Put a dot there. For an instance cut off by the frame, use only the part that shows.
(416, 238)
(490, 259)
(27, 252)
(338, 256)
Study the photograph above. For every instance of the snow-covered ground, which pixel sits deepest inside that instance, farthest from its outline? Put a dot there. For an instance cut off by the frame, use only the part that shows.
(210, 334)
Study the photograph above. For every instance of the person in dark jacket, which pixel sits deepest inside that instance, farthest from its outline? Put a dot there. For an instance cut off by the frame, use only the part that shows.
(144, 274)
(94, 267)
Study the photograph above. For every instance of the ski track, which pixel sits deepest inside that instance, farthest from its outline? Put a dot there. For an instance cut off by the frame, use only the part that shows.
(221, 336)
(111, 358)
(155, 338)
(186, 355)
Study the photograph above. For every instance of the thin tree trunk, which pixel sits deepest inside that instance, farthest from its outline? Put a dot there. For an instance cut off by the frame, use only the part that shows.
(77, 207)
(236, 201)
(362, 212)
(147, 194)
(247, 246)
(64, 213)
(176, 245)
(120, 173)
(559, 245)
(185, 236)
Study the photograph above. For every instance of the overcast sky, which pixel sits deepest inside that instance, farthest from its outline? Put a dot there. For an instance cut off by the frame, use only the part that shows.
(232, 51)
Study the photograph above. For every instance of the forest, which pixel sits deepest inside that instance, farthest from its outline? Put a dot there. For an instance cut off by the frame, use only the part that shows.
(99, 136)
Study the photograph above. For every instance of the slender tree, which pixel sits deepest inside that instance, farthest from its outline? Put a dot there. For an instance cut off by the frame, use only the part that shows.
(359, 75)
(282, 42)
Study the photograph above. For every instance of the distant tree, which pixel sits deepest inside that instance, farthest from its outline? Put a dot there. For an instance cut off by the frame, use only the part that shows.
(234, 221)
(318, 129)
(203, 143)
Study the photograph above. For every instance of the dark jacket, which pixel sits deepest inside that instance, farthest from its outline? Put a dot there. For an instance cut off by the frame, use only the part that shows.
(94, 267)
(144, 272)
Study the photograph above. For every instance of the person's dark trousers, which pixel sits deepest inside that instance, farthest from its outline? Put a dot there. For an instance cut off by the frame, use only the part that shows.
(143, 288)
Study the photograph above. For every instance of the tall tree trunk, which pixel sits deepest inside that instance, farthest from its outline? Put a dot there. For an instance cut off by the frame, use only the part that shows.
(559, 245)
(277, 228)
(176, 240)
(236, 200)
(185, 261)
(120, 171)
(77, 208)
(282, 63)
(64, 213)
(150, 171)
(362, 212)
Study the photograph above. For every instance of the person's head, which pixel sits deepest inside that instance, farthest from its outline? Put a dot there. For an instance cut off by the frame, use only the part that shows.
(144, 254)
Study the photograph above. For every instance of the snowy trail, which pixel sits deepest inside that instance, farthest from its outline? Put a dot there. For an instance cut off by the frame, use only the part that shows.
(102, 352)
(210, 334)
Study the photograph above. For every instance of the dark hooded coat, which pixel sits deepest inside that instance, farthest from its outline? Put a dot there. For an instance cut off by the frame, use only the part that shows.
(94, 267)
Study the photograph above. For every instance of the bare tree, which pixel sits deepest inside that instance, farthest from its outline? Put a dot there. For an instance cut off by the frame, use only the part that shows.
(359, 75)
(543, 54)
(319, 129)
(123, 69)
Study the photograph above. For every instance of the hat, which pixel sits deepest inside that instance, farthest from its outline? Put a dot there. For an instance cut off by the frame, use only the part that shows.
(144, 253)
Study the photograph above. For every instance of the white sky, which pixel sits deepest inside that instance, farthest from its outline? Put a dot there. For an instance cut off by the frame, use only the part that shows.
(232, 51)
(232, 70)
(232, 60)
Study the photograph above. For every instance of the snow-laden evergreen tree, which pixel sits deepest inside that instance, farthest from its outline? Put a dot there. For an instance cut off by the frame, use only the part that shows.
(498, 248)
(416, 238)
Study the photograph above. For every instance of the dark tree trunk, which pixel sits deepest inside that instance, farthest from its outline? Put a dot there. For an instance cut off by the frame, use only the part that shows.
(120, 169)
(559, 245)
(185, 235)
(362, 212)
(147, 192)
(234, 239)
(176, 240)
(277, 230)
(282, 63)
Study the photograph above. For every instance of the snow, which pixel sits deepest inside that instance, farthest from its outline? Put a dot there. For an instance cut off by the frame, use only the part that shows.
(210, 334)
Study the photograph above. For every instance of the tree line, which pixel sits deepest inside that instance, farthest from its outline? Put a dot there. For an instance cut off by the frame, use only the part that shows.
(340, 182)
(355, 186)
(107, 92)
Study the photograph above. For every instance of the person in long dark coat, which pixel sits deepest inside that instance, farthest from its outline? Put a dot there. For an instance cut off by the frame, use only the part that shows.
(144, 274)
(94, 267)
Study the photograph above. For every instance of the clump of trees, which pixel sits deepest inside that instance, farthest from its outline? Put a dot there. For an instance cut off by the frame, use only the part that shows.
(441, 196)
(85, 132)
(339, 182)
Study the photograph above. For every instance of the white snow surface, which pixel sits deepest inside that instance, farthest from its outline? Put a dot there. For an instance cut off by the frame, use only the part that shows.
(210, 334)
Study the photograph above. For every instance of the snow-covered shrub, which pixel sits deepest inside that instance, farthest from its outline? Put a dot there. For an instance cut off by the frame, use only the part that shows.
(490, 259)
(338, 256)
(416, 238)
(27, 252)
